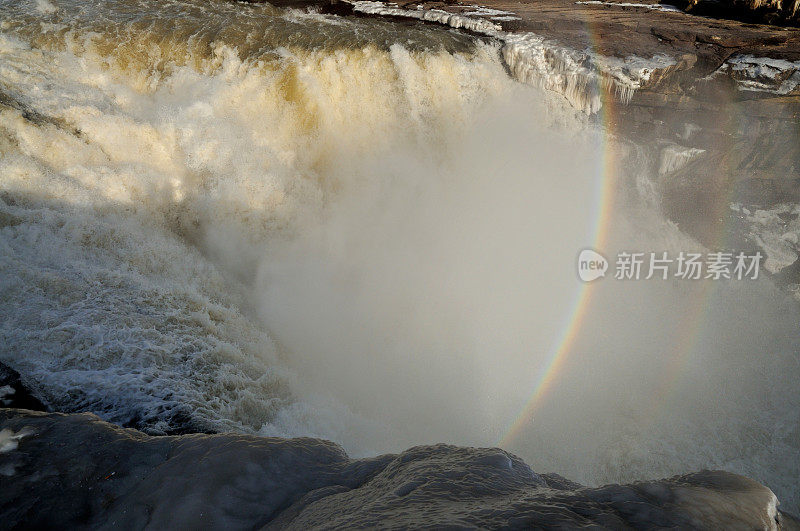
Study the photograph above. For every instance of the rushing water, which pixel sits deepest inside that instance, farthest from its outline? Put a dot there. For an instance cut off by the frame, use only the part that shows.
(226, 216)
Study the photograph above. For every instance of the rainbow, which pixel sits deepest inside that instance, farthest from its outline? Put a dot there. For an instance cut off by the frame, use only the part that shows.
(549, 374)
(691, 322)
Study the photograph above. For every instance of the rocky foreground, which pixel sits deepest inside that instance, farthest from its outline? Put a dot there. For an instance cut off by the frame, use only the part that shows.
(65, 471)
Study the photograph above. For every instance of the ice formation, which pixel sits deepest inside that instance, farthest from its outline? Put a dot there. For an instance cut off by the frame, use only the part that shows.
(477, 25)
(761, 74)
(580, 76)
(674, 157)
(653, 7)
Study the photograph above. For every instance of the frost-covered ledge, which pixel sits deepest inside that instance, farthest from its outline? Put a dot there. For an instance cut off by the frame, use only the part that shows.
(94, 474)
(581, 76)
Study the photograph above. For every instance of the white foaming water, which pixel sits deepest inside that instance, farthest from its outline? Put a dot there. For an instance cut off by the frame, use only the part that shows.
(364, 243)
(140, 191)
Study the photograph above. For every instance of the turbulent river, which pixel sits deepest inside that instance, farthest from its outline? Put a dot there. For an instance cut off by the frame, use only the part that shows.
(220, 216)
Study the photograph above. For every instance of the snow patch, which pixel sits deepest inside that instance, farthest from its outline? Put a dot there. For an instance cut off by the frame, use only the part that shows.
(762, 74)
(653, 7)
(477, 25)
(9, 440)
(494, 14)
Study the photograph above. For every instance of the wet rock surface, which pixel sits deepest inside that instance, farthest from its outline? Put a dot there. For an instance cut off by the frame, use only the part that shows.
(95, 474)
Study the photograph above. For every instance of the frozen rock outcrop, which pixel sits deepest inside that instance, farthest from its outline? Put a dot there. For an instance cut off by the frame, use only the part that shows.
(76, 470)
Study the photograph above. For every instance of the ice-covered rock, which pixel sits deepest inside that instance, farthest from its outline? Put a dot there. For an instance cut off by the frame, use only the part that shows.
(76, 470)
(673, 157)
(762, 74)
(579, 75)
(666, 8)
(388, 9)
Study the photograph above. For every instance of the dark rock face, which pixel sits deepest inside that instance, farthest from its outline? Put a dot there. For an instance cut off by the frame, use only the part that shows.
(14, 394)
(759, 11)
(75, 470)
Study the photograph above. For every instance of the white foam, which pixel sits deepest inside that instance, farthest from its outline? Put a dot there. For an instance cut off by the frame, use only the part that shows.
(46, 7)
(165, 334)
